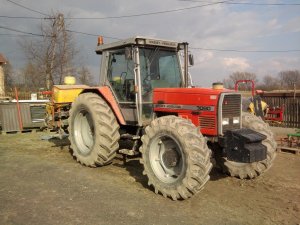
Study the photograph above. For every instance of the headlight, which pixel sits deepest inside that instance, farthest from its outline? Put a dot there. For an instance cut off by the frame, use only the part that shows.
(225, 121)
(236, 120)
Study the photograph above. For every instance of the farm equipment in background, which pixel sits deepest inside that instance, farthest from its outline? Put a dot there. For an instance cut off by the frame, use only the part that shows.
(275, 115)
(254, 104)
(57, 110)
(291, 143)
(258, 107)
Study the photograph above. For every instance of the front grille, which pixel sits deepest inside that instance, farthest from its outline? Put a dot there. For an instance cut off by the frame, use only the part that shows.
(207, 122)
(231, 107)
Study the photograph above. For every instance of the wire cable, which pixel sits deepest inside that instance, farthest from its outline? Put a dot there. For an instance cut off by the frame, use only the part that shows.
(249, 3)
(247, 51)
(27, 17)
(146, 14)
(195, 48)
(32, 10)
(89, 34)
(262, 4)
(16, 35)
(112, 17)
(23, 32)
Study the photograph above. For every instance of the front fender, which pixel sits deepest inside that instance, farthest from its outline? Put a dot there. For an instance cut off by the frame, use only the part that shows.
(107, 94)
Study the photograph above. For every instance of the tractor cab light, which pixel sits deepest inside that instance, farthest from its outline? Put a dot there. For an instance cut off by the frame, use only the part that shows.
(140, 41)
(100, 40)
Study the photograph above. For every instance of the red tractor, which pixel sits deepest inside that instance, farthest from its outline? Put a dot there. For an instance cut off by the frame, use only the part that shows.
(144, 107)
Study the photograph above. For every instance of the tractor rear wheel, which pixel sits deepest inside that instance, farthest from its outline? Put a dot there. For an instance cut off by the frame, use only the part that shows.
(250, 170)
(93, 131)
(175, 156)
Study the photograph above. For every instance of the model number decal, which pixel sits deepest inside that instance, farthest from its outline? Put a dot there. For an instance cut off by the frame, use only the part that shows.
(185, 107)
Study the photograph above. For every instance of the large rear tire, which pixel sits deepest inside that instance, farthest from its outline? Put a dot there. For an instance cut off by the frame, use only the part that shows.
(175, 156)
(93, 131)
(250, 170)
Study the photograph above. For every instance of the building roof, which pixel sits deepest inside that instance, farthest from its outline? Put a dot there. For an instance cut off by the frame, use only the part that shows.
(2, 59)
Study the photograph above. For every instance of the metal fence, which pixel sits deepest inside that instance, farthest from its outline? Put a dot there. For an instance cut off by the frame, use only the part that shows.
(21, 94)
(30, 114)
(290, 101)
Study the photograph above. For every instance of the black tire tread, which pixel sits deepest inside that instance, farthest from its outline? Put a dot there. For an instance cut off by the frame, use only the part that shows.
(107, 133)
(197, 154)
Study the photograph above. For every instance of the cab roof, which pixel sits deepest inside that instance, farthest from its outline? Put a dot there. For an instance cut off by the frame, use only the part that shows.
(139, 40)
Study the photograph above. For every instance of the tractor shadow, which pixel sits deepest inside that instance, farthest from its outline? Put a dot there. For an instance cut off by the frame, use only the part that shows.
(56, 140)
(216, 174)
(134, 168)
(60, 142)
(132, 165)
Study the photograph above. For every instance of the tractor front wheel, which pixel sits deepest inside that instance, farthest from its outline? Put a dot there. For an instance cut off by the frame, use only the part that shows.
(250, 170)
(175, 156)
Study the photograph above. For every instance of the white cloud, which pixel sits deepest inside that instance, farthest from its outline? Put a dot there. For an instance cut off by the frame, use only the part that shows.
(274, 65)
(292, 25)
(203, 57)
(237, 63)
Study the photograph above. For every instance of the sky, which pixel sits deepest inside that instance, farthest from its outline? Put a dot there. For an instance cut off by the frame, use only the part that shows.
(263, 34)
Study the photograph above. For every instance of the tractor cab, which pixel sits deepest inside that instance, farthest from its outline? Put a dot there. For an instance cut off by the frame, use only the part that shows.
(140, 63)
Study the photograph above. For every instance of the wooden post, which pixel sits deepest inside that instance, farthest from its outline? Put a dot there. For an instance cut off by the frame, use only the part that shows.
(19, 110)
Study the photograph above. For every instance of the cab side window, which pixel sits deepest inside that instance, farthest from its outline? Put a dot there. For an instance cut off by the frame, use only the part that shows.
(121, 76)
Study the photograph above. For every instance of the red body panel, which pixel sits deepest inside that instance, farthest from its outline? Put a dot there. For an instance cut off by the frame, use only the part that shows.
(200, 105)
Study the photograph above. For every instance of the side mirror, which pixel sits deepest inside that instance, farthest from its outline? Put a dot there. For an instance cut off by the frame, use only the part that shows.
(191, 59)
(128, 53)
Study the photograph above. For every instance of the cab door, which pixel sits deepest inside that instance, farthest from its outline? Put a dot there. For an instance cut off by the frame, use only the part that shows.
(159, 68)
(121, 79)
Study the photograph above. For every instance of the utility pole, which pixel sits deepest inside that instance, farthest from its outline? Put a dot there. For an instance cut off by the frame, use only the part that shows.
(65, 65)
(57, 27)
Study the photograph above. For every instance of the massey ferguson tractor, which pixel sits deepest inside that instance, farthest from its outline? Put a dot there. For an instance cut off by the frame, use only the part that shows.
(144, 107)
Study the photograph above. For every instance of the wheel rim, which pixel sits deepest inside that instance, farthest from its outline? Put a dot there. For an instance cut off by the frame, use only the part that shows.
(166, 159)
(84, 132)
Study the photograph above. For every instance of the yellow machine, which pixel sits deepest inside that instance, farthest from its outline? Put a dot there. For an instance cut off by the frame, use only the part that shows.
(66, 93)
(57, 111)
(264, 107)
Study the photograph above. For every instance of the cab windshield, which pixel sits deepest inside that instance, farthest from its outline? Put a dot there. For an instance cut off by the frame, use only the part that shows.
(159, 68)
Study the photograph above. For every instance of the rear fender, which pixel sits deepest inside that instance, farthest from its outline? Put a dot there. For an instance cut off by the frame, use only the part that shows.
(106, 94)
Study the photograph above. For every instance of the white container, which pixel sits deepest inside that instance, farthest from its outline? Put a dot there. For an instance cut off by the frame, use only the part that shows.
(70, 80)
(33, 96)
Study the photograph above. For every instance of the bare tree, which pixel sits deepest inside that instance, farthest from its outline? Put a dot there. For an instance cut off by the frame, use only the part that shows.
(290, 78)
(53, 54)
(269, 83)
(234, 77)
(228, 83)
(8, 76)
(84, 76)
(31, 76)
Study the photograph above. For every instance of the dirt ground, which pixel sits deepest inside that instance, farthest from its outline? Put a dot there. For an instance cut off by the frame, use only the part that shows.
(40, 183)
